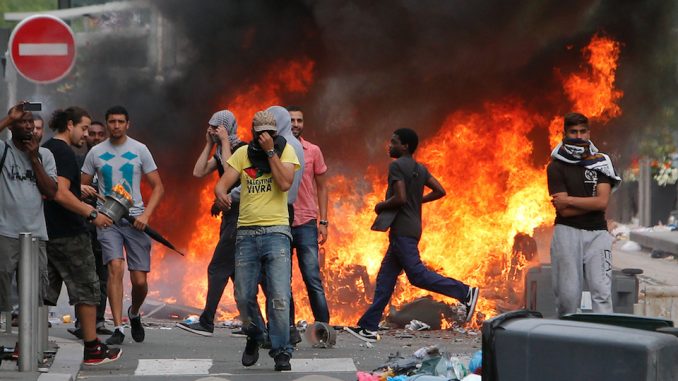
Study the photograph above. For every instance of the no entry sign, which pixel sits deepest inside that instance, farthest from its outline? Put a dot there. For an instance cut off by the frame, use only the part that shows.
(42, 48)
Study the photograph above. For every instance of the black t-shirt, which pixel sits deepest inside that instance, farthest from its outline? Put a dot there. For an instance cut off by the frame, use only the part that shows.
(60, 221)
(408, 220)
(577, 181)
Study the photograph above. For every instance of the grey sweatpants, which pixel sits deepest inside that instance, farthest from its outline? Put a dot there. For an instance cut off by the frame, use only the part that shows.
(579, 256)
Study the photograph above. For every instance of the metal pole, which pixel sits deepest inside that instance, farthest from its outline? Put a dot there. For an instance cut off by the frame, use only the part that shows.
(644, 193)
(35, 302)
(8, 321)
(27, 360)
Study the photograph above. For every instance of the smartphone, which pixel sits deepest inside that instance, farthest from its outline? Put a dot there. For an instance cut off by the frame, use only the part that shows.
(32, 106)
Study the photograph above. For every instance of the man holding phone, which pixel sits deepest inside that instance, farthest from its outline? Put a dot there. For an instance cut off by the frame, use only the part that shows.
(27, 175)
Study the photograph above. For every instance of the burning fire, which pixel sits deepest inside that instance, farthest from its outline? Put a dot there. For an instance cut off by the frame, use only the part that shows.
(494, 192)
(119, 189)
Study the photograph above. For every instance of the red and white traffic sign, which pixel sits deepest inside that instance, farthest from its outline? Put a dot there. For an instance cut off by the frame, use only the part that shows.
(42, 48)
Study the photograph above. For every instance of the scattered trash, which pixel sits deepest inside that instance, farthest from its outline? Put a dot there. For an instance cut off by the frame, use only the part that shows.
(66, 319)
(302, 325)
(476, 363)
(320, 335)
(630, 246)
(658, 254)
(230, 324)
(472, 377)
(425, 310)
(425, 364)
(404, 335)
(417, 325)
(190, 319)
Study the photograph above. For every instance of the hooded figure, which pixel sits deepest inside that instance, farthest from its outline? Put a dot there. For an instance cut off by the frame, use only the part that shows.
(284, 125)
(227, 119)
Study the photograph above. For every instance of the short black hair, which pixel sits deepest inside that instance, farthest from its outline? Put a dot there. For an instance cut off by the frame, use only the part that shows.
(409, 137)
(97, 122)
(572, 119)
(117, 110)
(294, 108)
(37, 117)
(60, 118)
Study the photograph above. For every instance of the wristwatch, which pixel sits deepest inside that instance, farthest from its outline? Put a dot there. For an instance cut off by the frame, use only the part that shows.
(92, 215)
(323, 222)
(270, 153)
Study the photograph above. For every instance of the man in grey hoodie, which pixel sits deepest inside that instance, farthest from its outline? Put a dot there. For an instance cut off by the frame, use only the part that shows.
(284, 126)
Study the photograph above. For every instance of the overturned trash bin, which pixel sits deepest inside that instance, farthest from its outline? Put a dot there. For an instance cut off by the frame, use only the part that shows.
(521, 346)
(321, 335)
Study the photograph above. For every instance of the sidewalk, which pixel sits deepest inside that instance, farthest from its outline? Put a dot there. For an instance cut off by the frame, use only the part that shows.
(64, 366)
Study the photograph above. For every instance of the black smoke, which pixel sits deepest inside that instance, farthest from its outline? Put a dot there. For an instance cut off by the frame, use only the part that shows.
(378, 66)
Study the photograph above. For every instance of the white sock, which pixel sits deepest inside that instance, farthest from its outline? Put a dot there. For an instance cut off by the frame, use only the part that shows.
(120, 328)
(131, 315)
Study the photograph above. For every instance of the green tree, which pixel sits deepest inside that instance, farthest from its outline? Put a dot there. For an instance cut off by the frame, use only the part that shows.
(23, 6)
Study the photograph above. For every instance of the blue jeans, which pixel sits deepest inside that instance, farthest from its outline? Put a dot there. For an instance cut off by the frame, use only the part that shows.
(260, 251)
(403, 254)
(305, 241)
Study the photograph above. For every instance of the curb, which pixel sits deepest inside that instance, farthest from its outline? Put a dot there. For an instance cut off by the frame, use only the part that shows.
(67, 361)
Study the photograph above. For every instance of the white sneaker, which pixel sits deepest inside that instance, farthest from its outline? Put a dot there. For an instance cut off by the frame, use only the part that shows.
(471, 301)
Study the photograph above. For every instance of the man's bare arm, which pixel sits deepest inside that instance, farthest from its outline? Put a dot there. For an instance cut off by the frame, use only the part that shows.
(437, 190)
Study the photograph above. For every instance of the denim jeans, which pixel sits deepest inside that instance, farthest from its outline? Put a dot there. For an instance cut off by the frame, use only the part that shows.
(221, 267)
(403, 254)
(305, 241)
(258, 250)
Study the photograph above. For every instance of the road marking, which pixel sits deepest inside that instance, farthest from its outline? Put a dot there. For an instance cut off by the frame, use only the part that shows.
(162, 367)
(323, 365)
(43, 49)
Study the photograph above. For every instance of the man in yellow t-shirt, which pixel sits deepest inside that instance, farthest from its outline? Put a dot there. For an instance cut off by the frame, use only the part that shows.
(266, 169)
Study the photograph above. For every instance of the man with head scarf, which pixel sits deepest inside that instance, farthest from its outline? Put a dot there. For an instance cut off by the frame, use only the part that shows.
(222, 133)
(284, 125)
(580, 181)
(266, 169)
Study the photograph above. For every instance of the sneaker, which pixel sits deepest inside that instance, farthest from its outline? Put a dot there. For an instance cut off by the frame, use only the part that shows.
(363, 334)
(116, 338)
(295, 336)
(102, 330)
(238, 333)
(77, 332)
(282, 362)
(137, 329)
(251, 353)
(471, 301)
(196, 328)
(100, 354)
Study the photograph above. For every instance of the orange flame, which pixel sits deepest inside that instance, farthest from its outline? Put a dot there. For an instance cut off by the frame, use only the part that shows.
(119, 189)
(484, 161)
(592, 91)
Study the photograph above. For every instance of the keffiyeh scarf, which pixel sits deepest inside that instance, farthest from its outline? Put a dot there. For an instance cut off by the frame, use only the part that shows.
(584, 153)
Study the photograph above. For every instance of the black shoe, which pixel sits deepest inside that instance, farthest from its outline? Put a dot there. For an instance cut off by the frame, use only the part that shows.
(295, 336)
(100, 354)
(251, 354)
(138, 333)
(363, 334)
(116, 338)
(282, 362)
(471, 301)
(102, 330)
(196, 328)
(238, 333)
(77, 332)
